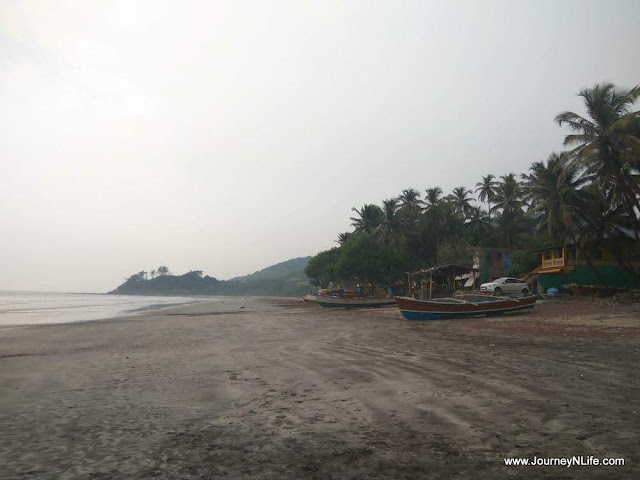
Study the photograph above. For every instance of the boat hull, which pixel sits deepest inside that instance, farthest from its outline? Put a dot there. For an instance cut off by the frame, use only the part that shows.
(413, 309)
(341, 302)
(310, 298)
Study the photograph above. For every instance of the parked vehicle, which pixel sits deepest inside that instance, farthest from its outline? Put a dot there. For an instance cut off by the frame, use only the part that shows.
(505, 285)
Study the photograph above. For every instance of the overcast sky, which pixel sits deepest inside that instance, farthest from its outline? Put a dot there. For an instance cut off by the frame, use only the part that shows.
(228, 136)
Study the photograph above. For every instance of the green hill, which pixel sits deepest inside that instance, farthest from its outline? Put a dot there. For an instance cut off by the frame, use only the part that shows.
(286, 269)
(283, 279)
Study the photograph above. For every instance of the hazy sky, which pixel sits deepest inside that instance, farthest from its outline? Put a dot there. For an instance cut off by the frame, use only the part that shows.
(228, 136)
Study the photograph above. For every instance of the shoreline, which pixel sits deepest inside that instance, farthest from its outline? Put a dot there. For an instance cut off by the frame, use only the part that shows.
(111, 311)
(150, 309)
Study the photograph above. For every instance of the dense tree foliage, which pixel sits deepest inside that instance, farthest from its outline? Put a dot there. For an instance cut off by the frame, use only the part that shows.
(320, 269)
(578, 196)
(456, 250)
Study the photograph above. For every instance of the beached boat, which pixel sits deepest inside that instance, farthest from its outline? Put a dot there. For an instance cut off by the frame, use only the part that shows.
(340, 292)
(354, 302)
(467, 306)
(310, 298)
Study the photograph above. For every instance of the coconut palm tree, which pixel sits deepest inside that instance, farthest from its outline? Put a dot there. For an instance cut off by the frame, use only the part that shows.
(435, 212)
(433, 197)
(393, 228)
(552, 190)
(584, 216)
(460, 201)
(368, 219)
(607, 143)
(509, 203)
(597, 218)
(344, 237)
(478, 224)
(486, 191)
(411, 204)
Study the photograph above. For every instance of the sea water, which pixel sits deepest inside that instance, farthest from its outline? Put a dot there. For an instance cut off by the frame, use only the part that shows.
(36, 308)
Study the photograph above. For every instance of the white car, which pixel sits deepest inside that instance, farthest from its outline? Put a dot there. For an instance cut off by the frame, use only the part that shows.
(505, 285)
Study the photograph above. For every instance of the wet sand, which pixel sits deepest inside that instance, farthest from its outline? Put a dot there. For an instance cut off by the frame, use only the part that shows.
(283, 389)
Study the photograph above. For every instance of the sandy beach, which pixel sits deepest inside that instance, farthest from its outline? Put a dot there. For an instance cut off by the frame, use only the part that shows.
(283, 389)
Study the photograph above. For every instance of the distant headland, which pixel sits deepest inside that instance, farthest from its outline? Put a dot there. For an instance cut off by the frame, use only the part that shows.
(282, 279)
